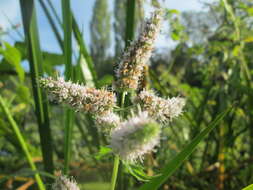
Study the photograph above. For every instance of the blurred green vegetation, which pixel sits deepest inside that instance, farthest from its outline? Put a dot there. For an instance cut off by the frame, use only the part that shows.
(211, 65)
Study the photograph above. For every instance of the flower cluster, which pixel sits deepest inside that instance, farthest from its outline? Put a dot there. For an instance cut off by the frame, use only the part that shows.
(64, 183)
(135, 137)
(132, 138)
(159, 108)
(82, 98)
(107, 122)
(131, 65)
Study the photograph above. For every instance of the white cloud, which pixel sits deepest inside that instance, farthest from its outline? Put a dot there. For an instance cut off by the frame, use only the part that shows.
(8, 9)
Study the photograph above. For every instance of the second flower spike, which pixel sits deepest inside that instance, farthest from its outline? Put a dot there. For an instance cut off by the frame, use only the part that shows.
(81, 98)
(159, 108)
(130, 66)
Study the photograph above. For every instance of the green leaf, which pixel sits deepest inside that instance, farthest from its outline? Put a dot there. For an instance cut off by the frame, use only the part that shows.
(13, 57)
(103, 151)
(250, 11)
(236, 51)
(249, 187)
(173, 11)
(19, 108)
(171, 167)
(50, 60)
(5, 66)
(21, 46)
(86, 72)
(106, 80)
(138, 172)
(24, 93)
(248, 39)
(175, 36)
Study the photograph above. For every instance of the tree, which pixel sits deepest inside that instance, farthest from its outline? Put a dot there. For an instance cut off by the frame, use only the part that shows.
(100, 27)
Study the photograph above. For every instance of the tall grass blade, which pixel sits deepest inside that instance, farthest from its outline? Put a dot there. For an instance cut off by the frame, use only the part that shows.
(36, 69)
(171, 167)
(130, 14)
(22, 142)
(67, 27)
(69, 116)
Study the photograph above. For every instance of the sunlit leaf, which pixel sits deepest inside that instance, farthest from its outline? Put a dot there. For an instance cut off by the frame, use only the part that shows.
(138, 172)
(105, 81)
(103, 151)
(250, 187)
(13, 57)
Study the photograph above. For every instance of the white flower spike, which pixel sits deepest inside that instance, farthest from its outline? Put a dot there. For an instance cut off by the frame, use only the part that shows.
(159, 108)
(135, 137)
(81, 98)
(64, 183)
(131, 65)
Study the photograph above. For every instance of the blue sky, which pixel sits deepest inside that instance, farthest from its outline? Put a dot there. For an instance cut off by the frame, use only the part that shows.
(83, 12)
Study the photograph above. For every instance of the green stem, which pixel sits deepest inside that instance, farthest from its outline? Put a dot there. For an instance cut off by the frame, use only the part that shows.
(22, 143)
(115, 172)
(116, 158)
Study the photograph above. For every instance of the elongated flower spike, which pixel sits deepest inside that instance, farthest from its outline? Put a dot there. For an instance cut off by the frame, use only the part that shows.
(81, 98)
(135, 137)
(137, 54)
(64, 183)
(159, 108)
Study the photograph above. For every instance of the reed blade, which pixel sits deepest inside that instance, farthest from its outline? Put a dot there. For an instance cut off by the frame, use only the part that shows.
(22, 142)
(69, 116)
(36, 68)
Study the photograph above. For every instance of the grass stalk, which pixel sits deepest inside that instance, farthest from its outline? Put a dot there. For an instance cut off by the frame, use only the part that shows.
(35, 62)
(69, 116)
(115, 172)
(130, 17)
(22, 143)
(67, 27)
(116, 157)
